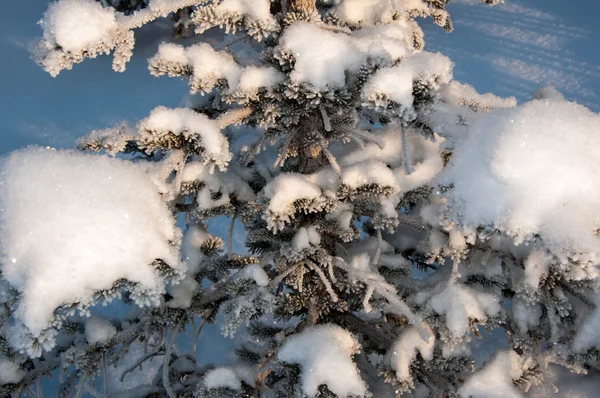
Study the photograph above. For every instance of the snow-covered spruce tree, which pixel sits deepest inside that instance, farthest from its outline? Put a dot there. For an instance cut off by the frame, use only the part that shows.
(392, 214)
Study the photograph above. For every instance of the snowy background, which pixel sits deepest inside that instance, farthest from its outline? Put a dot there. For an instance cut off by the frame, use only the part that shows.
(510, 50)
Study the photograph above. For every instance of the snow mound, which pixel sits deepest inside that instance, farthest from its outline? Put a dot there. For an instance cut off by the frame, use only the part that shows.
(75, 25)
(495, 380)
(324, 354)
(73, 224)
(532, 170)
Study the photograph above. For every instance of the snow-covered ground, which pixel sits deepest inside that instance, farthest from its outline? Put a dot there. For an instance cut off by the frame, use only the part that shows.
(516, 47)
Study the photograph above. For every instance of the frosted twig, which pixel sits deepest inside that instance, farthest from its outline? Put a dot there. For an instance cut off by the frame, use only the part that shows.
(232, 42)
(281, 158)
(139, 362)
(233, 116)
(197, 335)
(377, 255)
(325, 281)
(334, 164)
(153, 12)
(364, 135)
(331, 274)
(283, 275)
(167, 360)
(104, 375)
(368, 294)
(230, 236)
(326, 119)
(381, 287)
(405, 155)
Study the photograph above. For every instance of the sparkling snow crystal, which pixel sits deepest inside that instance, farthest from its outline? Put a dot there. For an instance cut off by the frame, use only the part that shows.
(324, 354)
(532, 170)
(73, 224)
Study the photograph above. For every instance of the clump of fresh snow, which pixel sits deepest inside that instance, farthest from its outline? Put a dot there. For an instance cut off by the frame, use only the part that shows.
(76, 25)
(222, 377)
(496, 378)
(405, 349)
(323, 57)
(525, 314)
(210, 65)
(324, 354)
(172, 53)
(206, 65)
(256, 9)
(532, 170)
(465, 95)
(192, 241)
(460, 303)
(369, 172)
(536, 265)
(73, 224)
(228, 183)
(253, 78)
(10, 372)
(256, 273)
(366, 12)
(99, 330)
(282, 192)
(192, 125)
(306, 237)
(396, 83)
(587, 333)
(424, 156)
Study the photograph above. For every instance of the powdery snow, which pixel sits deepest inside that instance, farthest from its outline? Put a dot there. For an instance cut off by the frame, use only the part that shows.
(424, 156)
(75, 25)
(73, 224)
(405, 349)
(587, 334)
(222, 378)
(367, 173)
(287, 188)
(254, 78)
(256, 273)
(322, 57)
(10, 372)
(190, 124)
(495, 380)
(396, 83)
(532, 170)
(324, 353)
(460, 303)
(257, 9)
(366, 12)
(99, 330)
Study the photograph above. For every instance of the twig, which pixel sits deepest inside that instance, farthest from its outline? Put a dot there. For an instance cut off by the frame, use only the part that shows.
(166, 362)
(230, 237)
